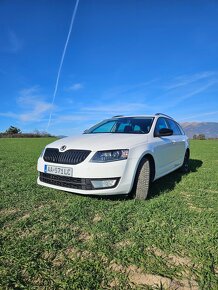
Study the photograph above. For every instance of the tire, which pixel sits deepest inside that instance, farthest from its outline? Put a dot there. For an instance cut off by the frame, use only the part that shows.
(185, 166)
(142, 180)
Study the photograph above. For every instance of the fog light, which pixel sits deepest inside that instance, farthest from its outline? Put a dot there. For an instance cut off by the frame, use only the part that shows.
(103, 183)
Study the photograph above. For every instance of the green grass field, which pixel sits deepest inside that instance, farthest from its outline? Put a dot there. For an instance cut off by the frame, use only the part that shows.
(57, 240)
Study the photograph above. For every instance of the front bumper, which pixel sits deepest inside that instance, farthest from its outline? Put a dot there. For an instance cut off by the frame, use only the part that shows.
(83, 173)
(72, 182)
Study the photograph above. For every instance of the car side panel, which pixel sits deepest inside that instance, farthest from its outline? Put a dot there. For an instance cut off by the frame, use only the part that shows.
(164, 159)
(178, 150)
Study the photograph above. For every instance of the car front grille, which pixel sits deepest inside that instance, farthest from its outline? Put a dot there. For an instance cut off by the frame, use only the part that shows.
(66, 181)
(72, 157)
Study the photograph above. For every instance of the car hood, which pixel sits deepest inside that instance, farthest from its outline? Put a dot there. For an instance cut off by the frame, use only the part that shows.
(105, 141)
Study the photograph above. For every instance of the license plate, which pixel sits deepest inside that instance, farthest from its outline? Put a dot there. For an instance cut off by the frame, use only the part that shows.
(57, 170)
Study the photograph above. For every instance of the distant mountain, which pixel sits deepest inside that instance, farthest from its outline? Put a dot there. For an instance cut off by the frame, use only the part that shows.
(209, 129)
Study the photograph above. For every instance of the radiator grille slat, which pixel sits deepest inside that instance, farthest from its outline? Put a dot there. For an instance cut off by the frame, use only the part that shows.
(67, 157)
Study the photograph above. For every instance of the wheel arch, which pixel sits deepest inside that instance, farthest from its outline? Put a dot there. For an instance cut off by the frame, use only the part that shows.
(188, 150)
(150, 157)
(152, 163)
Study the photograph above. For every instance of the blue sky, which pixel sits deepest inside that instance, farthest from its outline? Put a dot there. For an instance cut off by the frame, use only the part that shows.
(123, 57)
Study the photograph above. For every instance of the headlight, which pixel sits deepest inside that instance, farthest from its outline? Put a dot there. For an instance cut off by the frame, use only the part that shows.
(110, 155)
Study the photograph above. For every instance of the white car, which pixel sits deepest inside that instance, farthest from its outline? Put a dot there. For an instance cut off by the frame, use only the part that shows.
(121, 155)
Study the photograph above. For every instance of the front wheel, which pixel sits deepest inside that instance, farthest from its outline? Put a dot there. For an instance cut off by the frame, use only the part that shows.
(185, 166)
(142, 180)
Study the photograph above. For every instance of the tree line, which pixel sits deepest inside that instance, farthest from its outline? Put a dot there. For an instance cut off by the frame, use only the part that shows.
(199, 137)
(203, 137)
(14, 132)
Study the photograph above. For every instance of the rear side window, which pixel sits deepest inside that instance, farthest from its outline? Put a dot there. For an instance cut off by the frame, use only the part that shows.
(173, 126)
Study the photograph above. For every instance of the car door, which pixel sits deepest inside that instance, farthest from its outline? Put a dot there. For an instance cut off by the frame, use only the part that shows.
(178, 141)
(163, 149)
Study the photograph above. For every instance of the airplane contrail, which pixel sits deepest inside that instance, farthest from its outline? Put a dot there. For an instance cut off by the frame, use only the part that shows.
(62, 60)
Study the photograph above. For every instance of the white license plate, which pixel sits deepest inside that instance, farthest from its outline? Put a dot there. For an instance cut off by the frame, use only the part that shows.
(57, 170)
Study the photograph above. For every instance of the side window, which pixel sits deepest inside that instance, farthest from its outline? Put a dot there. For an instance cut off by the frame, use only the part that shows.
(174, 127)
(161, 123)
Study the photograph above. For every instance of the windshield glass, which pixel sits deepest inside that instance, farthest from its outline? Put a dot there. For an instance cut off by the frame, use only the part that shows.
(128, 125)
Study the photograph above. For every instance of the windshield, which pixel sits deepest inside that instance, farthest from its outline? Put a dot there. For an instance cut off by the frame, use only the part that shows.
(128, 125)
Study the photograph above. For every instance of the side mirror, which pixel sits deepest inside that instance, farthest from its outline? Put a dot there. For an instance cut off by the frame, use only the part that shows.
(164, 132)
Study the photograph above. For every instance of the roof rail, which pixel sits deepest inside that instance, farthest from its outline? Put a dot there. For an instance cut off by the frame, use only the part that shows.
(157, 114)
(117, 116)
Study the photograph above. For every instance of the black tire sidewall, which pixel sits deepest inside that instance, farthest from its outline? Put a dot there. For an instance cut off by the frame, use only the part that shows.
(136, 180)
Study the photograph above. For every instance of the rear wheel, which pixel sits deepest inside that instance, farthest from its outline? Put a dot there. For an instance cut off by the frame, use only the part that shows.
(185, 166)
(142, 180)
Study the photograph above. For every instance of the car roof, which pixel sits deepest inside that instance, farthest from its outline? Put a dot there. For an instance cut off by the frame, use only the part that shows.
(142, 116)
